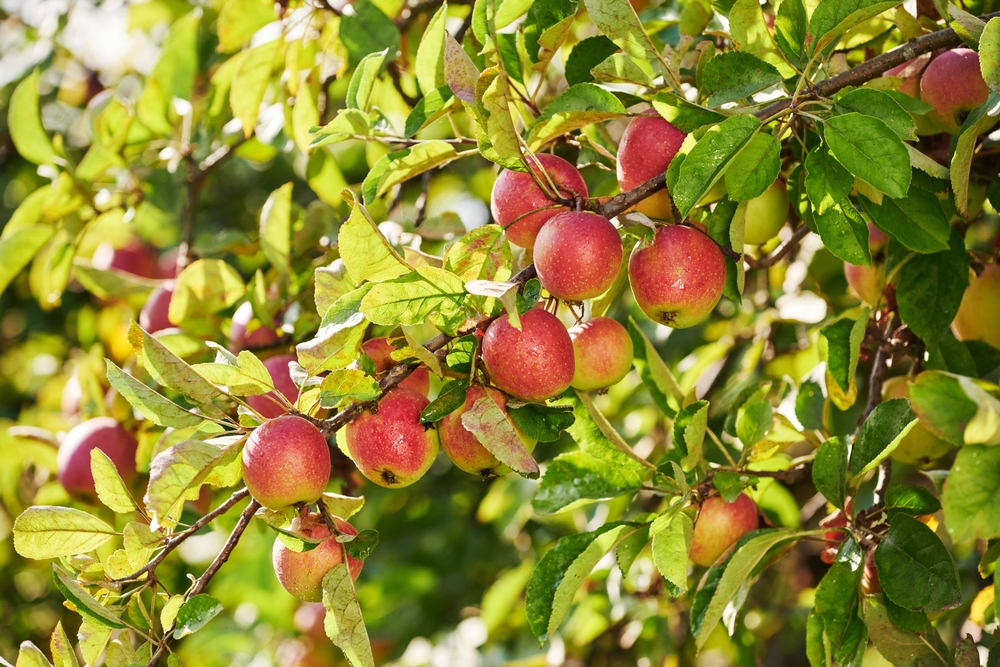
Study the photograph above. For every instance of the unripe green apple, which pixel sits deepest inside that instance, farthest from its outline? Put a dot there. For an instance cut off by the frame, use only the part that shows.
(953, 84)
(153, 316)
(719, 526)
(602, 352)
(463, 448)
(391, 447)
(534, 363)
(268, 404)
(677, 276)
(286, 461)
(646, 148)
(521, 207)
(978, 317)
(380, 351)
(301, 573)
(239, 336)
(577, 255)
(920, 447)
(766, 214)
(73, 459)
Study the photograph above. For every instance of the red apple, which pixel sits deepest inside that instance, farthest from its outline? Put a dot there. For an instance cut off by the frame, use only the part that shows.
(379, 350)
(73, 459)
(521, 207)
(832, 539)
(677, 277)
(268, 405)
(301, 573)
(602, 352)
(391, 447)
(646, 148)
(719, 526)
(461, 446)
(153, 316)
(534, 363)
(286, 461)
(245, 334)
(978, 317)
(577, 255)
(136, 258)
(953, 84)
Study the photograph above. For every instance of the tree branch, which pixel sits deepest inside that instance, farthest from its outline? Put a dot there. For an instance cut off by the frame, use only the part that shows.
(779, 253)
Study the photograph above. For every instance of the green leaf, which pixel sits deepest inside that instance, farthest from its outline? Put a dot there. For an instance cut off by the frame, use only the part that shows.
(579, 106)
(917, 221)
(827, 182)
(426, 294)
(971, 496)
(591, 436)
(429, 108)
(404, 164)
(880, 433)
(617, 20)
(195, 614)
(541, 422)
(168, 369)
(881, 105)
(348, 124)
(362, 544)
(587, 54)
(733, 75)
(622, 68)
(708, 160)
(576, 478)
(429, 63)
(910, 499)
(790, 26)
(684, 115)
(485, 420)
(84, 602)
(942, 405)
(980, 120)
(24, 122)
(177, 474)
(753, 422)
(870, 150)
(832, 18)
(829, 471)
(989, 54)
(366, 30)
(365, 251)
(482, 254)
(562, 570)
(915, 569)
(203, 288)
(450, 398)
(338, 341)
(843, 347)
(344, 624)
(45, 531)
(689, 434)
(347, 384)
(93, 638)
(276, 228)
(29, 655)
(250, 82)
(496, 136)
(809, 404)
(342, 506)
(113, 284)
(930, 290)
(19, 248)
(836, 607)
(750, 33)
(111, 490)
(670, 552)
(731, 484)
(239, 20)
(62, 650)
(755, 168)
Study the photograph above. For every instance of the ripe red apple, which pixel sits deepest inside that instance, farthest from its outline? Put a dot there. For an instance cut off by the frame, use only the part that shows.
(866, 281)
(243, 337)
(380, 351)
(286, 460)
(391, 447)
(832, 539)
(602, 353)
(910, 72)
(678, 276)
(301, 574)
(534, 363)
(73, 459)
(577, 255)
(153, 316)
(268, 405)
(978, 317)
(646, 148)
(462, 447)
(919, 447)
(521, 207)
(953, 84)
(719, 526)
(766, 214)
(136, 258)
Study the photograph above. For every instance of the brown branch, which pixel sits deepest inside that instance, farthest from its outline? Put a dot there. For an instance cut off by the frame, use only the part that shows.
(782, 250)
(202, 581)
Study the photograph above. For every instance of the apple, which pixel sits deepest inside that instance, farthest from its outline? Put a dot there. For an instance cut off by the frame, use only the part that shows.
(953, 84)
(380, 350)
(462, 447)
(286, 461)
(153, 316)
(645, 150)
(136, 258)
(602, 353)
(73, 459)
(521, 207)
(719, 526)
(978, 317)
(677, 276)
(577, 255)
(268, 405)
(301, 573)
(867, 282)
(534, 363)
(243, 336)
(766, 214)
(832, 539)
(391, 447)
(920, 447)
(910, 73)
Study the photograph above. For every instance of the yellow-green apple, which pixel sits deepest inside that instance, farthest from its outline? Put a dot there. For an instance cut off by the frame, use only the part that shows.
(677, 276)
(602, 352)
(577, 255)
(391, 447)
(766, 214)
(719, 526)
(534, 363)
(286, 461)
(73, 458)
(646, 148)
(269, 405)
(301, 573)
(953, 84)
(379, 350)
(978, 317)
(521, 207)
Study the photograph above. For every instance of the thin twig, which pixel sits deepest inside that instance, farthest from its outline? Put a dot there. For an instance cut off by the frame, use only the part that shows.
(779, 253)
(421, 203)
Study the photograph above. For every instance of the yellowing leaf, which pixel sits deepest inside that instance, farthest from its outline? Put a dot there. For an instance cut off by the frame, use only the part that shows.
(344, 625)
(25, 123)
(491, 427)
(250, 81)
(52, 532)
(365, 251)
(110, 488)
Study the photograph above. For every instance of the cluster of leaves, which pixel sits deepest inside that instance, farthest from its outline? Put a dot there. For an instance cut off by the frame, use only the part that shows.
(776, 417)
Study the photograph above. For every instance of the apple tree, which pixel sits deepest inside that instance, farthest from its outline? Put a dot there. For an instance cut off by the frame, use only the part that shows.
(557, 331)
